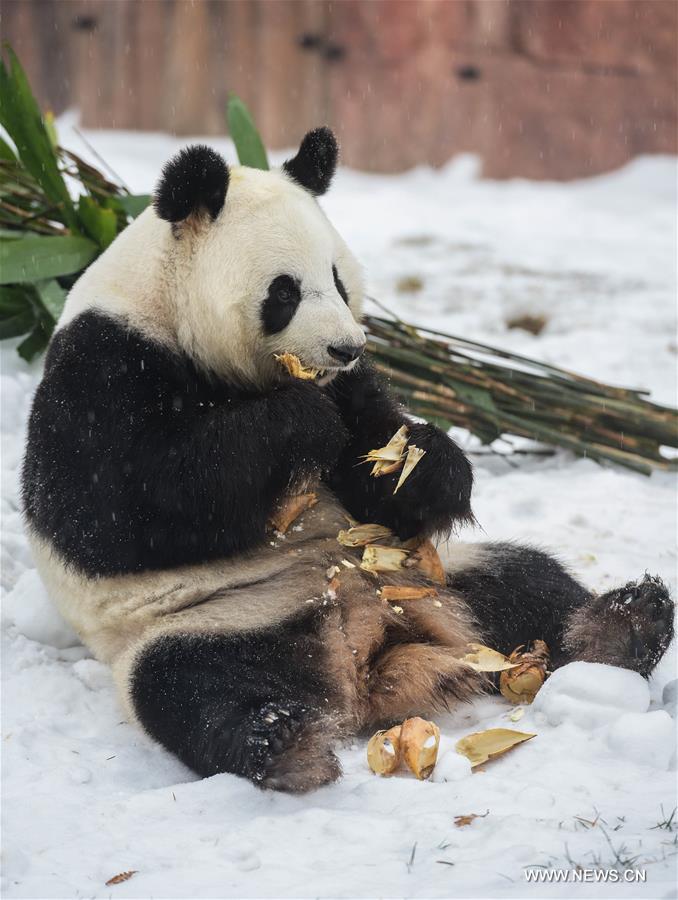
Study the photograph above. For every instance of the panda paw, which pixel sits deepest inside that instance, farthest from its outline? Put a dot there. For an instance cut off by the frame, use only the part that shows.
(631, 626)
(309, 431)
(288, 747)
(436, 495)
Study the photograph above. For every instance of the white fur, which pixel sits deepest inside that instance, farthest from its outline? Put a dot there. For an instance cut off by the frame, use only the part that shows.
(117, 616)
(202, 290)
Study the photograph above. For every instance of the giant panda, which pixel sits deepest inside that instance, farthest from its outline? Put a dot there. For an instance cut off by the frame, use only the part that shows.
(164, 434)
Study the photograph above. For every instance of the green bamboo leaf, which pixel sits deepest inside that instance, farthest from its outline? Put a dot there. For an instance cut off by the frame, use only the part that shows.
(20, 116)
(99, 223)
(133, 204)
(50, 128)
(36, 258)
(35, 343)
(14, 298)
(16, 325)
(246, 138)
(52, 297)
(17, 315)
(6, 151)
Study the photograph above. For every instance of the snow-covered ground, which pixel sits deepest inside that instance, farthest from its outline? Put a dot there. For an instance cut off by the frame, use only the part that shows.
(86, 796)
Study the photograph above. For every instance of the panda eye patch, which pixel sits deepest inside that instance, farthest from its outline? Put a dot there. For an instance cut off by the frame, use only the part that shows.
(339, 285)
(282, 300)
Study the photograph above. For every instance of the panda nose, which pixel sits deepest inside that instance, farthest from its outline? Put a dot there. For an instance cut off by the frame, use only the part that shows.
(345, 353)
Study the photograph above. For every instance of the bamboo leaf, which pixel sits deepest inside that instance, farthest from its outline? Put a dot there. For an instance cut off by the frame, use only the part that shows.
(16, 325)
(50, 128)
(17, 315)
(52, 297)
(133, 204)
(6, 151)
(13, 298)
(99, 223)
(37, 258)
(35, 343)
(20, 116)
(246, 138)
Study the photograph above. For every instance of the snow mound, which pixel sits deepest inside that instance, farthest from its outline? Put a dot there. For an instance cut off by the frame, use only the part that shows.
(451, 766)
(28, 607)
(670, 697)
(590, 694)
(645, 738)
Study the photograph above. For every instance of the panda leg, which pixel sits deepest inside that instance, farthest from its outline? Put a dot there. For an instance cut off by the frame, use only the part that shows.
(251, 704)
(518, 594)
(417, 679)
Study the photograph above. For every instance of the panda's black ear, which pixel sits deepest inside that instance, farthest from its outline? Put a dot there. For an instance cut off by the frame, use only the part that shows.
(313, 166)
(194, 180)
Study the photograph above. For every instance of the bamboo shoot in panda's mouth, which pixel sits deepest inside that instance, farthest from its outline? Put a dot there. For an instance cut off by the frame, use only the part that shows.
(296, 368)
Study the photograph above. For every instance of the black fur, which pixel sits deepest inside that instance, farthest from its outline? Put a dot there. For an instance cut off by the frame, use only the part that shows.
(339, 285)
(232, 703)
(314, 165)
(195, 179)
(518, 594)
(630, 626)
(137, 460)
(438, 492)
(280, 305)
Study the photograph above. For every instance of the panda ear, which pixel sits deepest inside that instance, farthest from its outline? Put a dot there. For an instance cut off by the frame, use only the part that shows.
(313, 166)
(194, 180)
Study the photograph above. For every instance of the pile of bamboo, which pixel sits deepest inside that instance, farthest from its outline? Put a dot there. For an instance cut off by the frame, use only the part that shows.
(493, 393)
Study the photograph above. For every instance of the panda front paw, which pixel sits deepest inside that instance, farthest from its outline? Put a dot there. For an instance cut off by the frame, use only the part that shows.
(435, 496)
(307, 427)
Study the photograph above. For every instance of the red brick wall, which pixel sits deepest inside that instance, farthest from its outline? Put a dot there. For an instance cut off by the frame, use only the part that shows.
(539, 88)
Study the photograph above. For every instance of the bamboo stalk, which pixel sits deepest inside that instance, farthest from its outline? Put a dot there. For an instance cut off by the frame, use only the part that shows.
(493, 392)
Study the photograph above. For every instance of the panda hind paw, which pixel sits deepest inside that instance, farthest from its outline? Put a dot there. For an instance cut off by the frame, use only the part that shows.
(631, 626)
(289, 748)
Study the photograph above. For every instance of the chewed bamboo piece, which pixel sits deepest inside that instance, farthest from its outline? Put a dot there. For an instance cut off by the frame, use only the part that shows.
(289, 510)
(383, 751)
(360, 535)
(395, 593)
(415, 743)
(523, 681)
(392, 457)
(295, 367)
(419, 742)
(383, 559)
(388, 459)
(425, 559)
(414, 455)
(484, 659)
(384, 553)
(482, 746)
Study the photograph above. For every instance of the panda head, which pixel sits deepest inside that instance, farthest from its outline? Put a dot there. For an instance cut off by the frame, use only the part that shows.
(255, 267)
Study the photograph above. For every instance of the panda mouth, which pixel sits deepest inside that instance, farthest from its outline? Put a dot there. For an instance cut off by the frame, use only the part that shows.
(298, 369)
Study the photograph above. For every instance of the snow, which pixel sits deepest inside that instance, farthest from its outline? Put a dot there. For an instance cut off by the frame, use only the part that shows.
(588, 694)
(87, 796)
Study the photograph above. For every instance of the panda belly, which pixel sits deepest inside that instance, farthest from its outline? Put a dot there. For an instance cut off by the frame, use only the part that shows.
(375, 662)
(243, 593)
